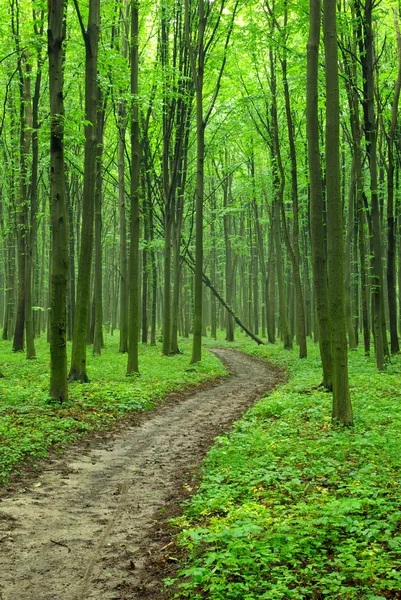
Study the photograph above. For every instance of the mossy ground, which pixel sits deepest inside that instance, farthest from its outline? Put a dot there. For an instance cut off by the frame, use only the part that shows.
(290, 508)
(30, 424)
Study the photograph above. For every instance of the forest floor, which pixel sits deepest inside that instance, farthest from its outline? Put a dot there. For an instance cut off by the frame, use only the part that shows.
(92, 523)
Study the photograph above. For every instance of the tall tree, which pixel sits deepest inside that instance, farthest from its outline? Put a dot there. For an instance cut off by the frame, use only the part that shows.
(365, 37)
(38, 18)
(25, 113)
(133, 321)
(198, 53)
(316, 193)
(342, 410)
(391, 237)
(59, 265)
(91, 39)
(122, 126)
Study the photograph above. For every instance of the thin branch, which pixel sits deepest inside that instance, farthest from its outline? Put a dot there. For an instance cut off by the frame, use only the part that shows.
(81, 23)
(223, 64)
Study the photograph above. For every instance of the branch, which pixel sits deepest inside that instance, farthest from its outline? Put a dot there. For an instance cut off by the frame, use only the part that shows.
(189, 44)
(228, 308)
(81, 23)
(223, 64)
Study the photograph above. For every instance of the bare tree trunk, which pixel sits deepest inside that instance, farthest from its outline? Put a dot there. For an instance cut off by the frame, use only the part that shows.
(98, 333)
(22, 205)
(366, 56)
(347, 261)
(133, 319)
(59, 265)
(391, 247)
(91, 39)
(316, 192)
(342, 410)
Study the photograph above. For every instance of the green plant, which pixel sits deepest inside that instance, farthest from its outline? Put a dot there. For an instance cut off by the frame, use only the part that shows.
(30, 424)
(289, 507)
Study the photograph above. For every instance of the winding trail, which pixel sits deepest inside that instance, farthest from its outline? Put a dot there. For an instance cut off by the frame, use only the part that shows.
(84, 532)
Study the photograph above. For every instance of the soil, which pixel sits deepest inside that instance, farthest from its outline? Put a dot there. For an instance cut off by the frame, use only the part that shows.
(93, 525)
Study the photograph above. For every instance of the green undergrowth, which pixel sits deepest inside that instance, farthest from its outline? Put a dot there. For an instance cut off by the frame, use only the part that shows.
(289, 507)
(30, 424)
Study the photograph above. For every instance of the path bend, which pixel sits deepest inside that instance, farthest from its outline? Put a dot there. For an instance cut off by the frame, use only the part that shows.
(85, 532)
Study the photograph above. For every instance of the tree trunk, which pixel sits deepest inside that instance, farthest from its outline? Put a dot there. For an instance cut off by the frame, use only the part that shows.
(342, 410)
(293, 248)
(278, 187)
(91, 39)
(32, 231)
(200, 158)
(98, 333)
(59, 265)
(316, 194)
(224, 304)
(22, 205)
(367, 60)
(123, 233)
(133, 319)
(271, 314)
(391, 246)
(347, 261)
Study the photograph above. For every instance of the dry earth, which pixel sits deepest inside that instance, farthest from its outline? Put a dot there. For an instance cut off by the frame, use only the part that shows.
(89, 526)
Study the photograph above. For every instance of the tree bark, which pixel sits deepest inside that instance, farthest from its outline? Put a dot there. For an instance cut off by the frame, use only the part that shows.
(391, 238)
(22, 205)
(59, 264)
(98, 333)
(91, 38)
(316, 194)
(133, 319)
(365, 35)
(342, 410)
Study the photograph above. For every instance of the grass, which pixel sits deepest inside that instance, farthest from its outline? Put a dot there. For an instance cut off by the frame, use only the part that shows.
(30, 424)
(289, 508)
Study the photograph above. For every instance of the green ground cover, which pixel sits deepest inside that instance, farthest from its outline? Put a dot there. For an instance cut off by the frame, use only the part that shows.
(290, 508)
(30, 425)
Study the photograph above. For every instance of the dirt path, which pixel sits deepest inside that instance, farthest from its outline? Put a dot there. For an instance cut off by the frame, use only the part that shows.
(85, 532)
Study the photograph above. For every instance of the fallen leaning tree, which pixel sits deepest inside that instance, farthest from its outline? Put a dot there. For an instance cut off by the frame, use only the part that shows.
(188, 259)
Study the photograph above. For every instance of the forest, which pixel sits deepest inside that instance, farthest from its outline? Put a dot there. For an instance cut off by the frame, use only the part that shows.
(200, 216)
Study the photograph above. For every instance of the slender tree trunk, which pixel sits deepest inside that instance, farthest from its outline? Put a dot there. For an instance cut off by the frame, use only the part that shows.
(347, 261)
(123, 233)
(42, 296)
(200, 158)
(133, 320)
(255, 269)
(213, 308)
(154, 282)
(391, 245)
(293, 248)
(342, 410)
(71, 242)
(145, 276)
(91, 39)
(271, 315)
(59, 265)
(98, 333)
(285, 331)
(22, 206)
(32, 230)
(367, 60)
(316, 194)
(278, 186)
(229, 267)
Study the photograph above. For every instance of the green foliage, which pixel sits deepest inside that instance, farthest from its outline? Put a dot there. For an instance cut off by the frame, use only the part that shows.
(289, 507)
(30, 424)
